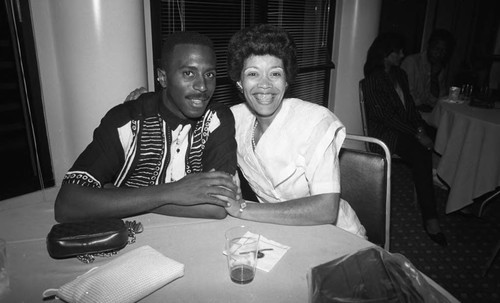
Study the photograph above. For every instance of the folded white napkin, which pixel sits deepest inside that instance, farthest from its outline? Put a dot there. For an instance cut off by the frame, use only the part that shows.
(272, 256)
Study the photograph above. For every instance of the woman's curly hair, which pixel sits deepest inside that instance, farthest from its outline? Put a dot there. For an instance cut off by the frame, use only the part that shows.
(258, 40)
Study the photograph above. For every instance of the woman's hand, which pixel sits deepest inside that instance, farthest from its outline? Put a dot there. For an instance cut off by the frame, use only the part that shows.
(234, 206)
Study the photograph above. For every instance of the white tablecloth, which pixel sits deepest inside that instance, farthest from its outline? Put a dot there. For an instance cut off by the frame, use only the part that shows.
(197, 243)
(468, 139)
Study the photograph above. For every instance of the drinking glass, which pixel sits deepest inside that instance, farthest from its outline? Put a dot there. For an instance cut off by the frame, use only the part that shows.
(242, 246)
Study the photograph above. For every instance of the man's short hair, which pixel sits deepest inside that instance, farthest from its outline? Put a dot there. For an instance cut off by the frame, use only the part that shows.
(442, 35)
(182, 38)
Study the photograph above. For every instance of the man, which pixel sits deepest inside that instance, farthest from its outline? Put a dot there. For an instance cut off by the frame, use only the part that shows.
(170, 152)
(426, 70)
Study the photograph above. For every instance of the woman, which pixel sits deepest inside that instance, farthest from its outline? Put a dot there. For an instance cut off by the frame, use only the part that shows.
(287, 148)
(393, 118)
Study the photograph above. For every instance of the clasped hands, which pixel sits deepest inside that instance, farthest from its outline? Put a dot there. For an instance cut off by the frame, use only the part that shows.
(213, 187)
(425, 140)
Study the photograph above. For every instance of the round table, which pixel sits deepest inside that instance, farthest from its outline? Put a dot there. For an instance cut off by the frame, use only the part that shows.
(468, 140)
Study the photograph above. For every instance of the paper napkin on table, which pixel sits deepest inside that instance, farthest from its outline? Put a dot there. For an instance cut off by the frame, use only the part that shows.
(271, 257)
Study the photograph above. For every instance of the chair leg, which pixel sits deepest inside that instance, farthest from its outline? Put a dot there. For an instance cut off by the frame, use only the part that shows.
(486, 201)
(492, 259)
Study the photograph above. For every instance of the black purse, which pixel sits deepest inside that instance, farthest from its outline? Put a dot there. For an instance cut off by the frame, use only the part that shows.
(88, 239)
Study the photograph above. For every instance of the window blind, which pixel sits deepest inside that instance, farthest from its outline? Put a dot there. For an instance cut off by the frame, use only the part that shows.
(308, 21)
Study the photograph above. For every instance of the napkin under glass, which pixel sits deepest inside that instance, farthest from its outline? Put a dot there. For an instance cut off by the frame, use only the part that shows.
(271, 257)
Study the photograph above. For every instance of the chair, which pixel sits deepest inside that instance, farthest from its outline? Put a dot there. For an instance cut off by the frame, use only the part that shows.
(366, 186)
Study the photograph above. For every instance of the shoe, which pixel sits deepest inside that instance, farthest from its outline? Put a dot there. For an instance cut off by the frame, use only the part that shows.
(438, 238)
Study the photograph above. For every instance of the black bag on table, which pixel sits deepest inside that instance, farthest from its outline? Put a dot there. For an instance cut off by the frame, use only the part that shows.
(370, 275)
(90, 238)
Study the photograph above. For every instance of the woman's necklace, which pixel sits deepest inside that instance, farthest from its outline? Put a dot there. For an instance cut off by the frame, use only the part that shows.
(253, 134)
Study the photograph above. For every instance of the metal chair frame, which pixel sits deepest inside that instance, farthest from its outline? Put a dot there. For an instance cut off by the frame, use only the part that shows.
(361, 171)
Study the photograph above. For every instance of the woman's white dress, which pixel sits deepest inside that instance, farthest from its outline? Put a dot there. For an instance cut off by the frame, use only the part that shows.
(297, 156)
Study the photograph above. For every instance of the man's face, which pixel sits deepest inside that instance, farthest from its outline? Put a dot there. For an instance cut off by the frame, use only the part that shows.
(437, 52)
(189, 80)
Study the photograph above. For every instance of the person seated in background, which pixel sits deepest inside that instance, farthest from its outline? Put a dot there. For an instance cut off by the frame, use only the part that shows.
(172, 152)
(287, 148)
(393, 118)
(426, 70)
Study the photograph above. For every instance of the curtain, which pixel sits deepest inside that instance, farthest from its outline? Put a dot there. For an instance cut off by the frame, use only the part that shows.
(310, 22)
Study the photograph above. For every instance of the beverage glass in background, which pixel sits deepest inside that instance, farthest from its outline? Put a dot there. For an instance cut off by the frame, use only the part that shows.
(4, 277)
(454, 93)
(466, 92)
(242, 246)
(484, 92)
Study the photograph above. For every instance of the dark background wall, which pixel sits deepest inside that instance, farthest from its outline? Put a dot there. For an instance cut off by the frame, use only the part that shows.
(473, 23)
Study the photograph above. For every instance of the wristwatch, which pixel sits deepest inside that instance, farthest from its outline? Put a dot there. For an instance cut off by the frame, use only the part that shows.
(243, 205)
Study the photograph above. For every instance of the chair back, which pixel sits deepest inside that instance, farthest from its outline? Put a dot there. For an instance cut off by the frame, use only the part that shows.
(366, 186)
(364, 122)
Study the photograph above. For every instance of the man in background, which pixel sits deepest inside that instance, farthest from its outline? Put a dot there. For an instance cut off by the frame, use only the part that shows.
(426, 70)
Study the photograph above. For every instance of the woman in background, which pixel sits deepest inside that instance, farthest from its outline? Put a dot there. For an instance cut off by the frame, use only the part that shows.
(393, 118)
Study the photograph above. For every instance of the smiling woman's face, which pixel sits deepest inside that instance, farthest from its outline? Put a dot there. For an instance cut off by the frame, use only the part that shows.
(264, 84)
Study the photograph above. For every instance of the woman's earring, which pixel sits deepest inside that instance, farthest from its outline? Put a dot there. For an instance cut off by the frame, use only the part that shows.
(238, 85)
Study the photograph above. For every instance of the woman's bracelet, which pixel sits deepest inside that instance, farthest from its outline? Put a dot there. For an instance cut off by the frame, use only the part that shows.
(243, 205)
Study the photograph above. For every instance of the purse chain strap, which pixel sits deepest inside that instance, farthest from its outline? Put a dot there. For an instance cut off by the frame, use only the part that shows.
(133, 229)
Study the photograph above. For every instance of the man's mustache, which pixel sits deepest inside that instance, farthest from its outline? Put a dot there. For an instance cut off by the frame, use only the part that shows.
(203, 97)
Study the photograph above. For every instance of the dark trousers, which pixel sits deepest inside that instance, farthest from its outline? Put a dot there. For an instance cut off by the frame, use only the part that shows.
(420, 161)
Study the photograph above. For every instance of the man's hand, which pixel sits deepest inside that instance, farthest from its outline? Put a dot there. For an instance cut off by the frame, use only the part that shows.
(211, 187)
(136, 93)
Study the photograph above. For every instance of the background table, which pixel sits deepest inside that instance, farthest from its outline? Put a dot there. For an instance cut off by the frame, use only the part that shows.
(197, 243)
(468, 139)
